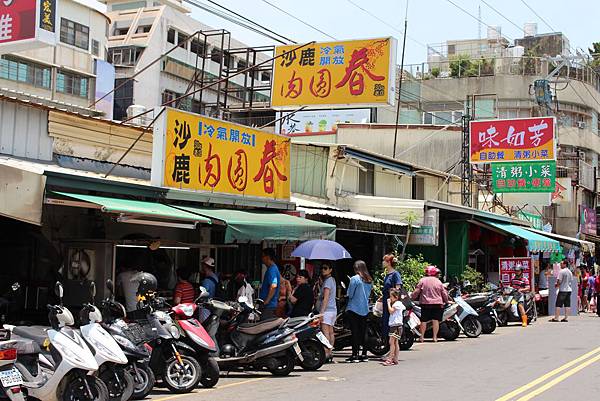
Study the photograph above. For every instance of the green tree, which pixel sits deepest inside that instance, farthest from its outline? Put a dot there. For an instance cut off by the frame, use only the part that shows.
(595, 54)
(475, 278)
(412, 268)
(459, 65)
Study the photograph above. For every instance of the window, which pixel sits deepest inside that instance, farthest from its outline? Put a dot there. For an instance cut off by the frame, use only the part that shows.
(168, 96)
(171, 36)
(265, 77)
(72, 84)
(216, 55)
(181, 39)
(366, 179)
(121, 31)
(198, 47)
(242, 65)
(24, 71)
(95, 47)
(123, 98)
(124, 55)
(74, 34)
(143, 29)
(418, 187)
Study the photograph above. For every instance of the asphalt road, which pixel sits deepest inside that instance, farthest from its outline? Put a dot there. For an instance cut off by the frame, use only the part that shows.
(545, 361)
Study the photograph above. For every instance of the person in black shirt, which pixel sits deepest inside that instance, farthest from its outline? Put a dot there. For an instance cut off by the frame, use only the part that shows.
(302, 297)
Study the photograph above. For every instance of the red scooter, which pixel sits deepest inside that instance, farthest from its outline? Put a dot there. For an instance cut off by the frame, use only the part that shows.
(193, 334)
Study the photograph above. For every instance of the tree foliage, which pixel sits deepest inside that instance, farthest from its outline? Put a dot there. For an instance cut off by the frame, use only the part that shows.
(474, 277)
(412, 268)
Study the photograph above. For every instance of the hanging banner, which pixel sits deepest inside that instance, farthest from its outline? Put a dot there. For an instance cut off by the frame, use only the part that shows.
(587, 220)
(357, 72)
(198, 153)
(507, 269)
(520, 139)
(524, 177)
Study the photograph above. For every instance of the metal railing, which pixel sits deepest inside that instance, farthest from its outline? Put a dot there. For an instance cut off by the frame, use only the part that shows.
(462, 66)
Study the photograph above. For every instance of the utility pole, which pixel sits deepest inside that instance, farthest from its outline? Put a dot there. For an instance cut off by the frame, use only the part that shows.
(466, 172)
(401, 79)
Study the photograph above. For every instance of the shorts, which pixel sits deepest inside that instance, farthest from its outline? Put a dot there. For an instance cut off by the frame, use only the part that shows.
(329, 318)
(563, 299)
(431, 312)
(396, 332)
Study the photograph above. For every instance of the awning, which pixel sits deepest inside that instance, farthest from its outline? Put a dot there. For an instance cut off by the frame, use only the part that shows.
(381, 161)
(255, 226)
(340, 214)
(535, 242)
(586, 245)
(134, 211)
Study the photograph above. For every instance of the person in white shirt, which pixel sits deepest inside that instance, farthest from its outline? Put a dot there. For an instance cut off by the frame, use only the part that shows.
(128, 288)
(396, 321)
(563, 299)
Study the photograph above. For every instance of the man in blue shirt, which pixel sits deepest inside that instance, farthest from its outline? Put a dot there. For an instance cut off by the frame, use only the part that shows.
(211, 280)
(269, 289)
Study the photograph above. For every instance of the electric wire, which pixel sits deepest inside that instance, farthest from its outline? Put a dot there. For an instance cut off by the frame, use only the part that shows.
(477, 19)
(537, 15)
(502, 15)
(298, 19)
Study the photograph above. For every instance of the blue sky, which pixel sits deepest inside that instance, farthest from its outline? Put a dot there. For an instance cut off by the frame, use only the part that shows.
(429, 21)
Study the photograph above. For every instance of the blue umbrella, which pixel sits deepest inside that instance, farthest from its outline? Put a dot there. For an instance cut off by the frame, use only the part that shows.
(320, 249)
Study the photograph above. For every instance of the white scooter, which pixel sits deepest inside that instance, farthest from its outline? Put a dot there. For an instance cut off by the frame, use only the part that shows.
(10, 378)
(110, 357)
(64, 368)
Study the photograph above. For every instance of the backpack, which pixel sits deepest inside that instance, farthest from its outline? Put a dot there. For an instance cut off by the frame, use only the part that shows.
(220, 290)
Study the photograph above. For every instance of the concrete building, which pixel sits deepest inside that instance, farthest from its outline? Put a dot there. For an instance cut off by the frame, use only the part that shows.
(65, 72)
(142, 31)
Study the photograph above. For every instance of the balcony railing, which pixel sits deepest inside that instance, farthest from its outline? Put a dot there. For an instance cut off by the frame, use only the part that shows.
(462, 67)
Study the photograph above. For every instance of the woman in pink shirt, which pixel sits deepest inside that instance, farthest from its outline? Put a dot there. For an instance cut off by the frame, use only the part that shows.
(432, 297)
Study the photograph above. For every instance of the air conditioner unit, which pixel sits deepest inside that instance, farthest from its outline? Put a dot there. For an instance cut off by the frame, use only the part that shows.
(581, 124)
(581, 155)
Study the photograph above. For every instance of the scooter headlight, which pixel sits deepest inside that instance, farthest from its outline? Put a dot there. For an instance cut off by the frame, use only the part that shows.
(68, 353)
(123, 342)
(174, 330)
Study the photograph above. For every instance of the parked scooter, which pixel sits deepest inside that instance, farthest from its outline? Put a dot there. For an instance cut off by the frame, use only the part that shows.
(484, 304)
(467, 316)
(311, 340)
(170, 360)
(109, 356)
(449, 326)
(132, 343)
(507, 307)
(61, 366)
(266, 344)
(10, 378)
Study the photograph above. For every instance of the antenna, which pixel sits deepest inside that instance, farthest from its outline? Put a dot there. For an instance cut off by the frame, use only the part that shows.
(479, 22)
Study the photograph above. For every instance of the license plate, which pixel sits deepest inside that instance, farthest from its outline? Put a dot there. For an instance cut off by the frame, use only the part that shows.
(324, 340)
(413, 321)
(11, 378)
(298, 352)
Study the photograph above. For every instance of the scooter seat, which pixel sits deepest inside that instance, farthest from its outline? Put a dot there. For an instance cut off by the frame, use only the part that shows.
(261, 327)
(25, 346)
(39, 334)
(297, 321)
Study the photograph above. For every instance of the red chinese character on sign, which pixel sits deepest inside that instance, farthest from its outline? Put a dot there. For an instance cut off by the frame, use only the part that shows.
(237, 171)
(267, 165)
(294, 87)
(356, 78)
(521, 182)
(323, 86)
(536, 182)
(212, 164)
(546, 182)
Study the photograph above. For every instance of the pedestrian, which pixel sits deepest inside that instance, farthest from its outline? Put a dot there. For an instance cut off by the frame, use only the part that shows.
(544, 274)
(270, 287)
(591, 288)
(211, 280)
(302, 297)
(392, 279)
(126, 287)
(327, 306)
(184, 290)
(243, 287)
(396, 309)
(285, 290)
(432, 297)
(597, 288)
(563, 299)
(357, 309)
(584, 289)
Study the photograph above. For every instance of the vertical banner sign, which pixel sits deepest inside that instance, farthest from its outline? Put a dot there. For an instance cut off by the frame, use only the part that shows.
(507, 269)
(587, 220)
(105, 83)
(521, 139)
(17, 20)
(524, 177)
(357, 72)
(47, 15)
(198, 153)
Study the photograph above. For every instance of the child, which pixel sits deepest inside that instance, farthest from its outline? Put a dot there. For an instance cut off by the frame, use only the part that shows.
(396, 309)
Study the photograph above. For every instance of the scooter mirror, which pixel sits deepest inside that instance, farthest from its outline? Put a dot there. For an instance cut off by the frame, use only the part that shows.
(15, 287)
(58, 290)
(93, 290)
(110, 286)
(203, 293)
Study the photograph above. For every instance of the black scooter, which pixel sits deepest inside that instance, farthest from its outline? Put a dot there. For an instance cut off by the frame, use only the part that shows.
(311, 340)
(264, 345)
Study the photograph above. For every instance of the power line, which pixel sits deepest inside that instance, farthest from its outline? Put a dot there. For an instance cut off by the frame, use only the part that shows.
(298, 19)
(502, 15)
(537, 15)
(476, 18)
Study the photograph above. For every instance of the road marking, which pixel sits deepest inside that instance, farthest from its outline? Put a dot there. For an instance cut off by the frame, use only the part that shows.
(173, 397)
(559, 379)
(548, 375)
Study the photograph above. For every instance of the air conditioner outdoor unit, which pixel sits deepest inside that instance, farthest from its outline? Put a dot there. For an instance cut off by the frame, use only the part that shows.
(581, 155)
(581, 124)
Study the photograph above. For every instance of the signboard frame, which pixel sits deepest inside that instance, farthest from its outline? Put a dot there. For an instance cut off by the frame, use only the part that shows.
(553, 147)
(524, 184)
(388, 100)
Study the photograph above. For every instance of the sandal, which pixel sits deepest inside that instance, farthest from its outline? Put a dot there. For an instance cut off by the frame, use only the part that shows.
(565, 320)
(553, 320)
(388, 363)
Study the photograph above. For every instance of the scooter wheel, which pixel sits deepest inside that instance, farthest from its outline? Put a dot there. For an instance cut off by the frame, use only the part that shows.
(284, 365)
(119, 382)
(407, 340)
(143, 379)
(85, 388)
(472, 326)
(451, 331)
(210, 373)
(489, 325)
(182, 378)
(313, 354)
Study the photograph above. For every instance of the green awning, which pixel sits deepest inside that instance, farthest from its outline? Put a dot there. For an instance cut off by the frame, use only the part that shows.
(255, 226)
(535, 242)
(135, 208)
